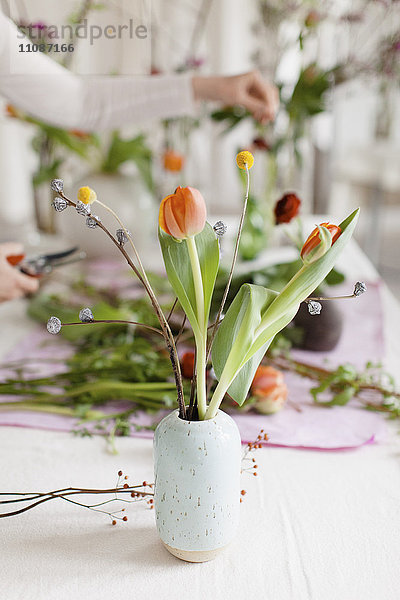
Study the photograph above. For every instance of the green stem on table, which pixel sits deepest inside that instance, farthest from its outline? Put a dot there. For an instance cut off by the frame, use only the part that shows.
(60, 410)
(201, 335)
(124, 386)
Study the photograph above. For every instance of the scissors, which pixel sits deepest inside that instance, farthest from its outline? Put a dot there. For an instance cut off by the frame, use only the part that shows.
(43, 264)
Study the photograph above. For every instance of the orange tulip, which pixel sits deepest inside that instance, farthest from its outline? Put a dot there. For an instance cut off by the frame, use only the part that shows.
(183, 214)
(269, 389)
(173, 161)
(313, 239)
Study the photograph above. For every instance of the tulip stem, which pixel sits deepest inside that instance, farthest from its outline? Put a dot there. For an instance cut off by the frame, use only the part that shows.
(201, 334)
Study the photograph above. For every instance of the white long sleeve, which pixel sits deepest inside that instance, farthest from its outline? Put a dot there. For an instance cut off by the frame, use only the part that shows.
(53, 94)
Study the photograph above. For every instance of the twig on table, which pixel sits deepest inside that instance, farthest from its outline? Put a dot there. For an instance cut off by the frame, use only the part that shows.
(137, 493)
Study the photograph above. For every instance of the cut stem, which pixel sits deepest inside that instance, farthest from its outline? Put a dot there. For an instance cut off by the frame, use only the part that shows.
(234, 258)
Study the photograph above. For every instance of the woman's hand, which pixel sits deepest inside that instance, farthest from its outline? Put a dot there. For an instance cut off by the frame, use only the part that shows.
(13, 284)
(250, 90)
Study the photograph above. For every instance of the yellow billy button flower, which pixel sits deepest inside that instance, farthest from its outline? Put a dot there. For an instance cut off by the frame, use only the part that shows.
(183, 214)
(86, 195)
(245, 158)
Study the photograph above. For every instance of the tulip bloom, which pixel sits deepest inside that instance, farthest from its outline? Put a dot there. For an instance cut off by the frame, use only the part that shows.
(314, 239)
(183, 214)
(269, 389)
(287, 208)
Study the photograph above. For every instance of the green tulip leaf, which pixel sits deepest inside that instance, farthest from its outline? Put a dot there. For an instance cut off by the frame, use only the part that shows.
(257, 314)
(179, 271)
(235, 338)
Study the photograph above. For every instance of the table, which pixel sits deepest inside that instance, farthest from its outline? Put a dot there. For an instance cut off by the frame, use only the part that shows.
(315, 525)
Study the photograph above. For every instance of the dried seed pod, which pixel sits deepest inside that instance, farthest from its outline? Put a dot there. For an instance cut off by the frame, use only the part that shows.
(122, 237)
(220, 229)
(82, 209)
(54, 325)
(314, 307)
(359, 288)
(91, 222)
(57, 185)
(86, 315)
(59, 204)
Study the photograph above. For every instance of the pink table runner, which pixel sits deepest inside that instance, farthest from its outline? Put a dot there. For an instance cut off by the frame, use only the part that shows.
(313, 427)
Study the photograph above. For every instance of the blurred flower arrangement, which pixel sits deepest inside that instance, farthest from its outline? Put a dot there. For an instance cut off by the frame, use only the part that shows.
(367, 46)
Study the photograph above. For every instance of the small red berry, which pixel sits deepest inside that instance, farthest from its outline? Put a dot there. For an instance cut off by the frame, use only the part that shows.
(126, 486)
(124, 518)
(119, 473)
(114, 522)
(243, 492)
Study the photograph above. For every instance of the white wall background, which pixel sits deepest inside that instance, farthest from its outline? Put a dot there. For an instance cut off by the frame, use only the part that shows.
(227, 47)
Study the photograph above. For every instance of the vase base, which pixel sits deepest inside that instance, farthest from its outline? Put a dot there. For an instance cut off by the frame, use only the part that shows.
(194, 556)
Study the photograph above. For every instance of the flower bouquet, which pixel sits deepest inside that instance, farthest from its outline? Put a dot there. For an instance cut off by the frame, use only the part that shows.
(197, 447)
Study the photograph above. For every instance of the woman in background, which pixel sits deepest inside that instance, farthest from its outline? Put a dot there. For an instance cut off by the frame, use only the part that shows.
(53, 94)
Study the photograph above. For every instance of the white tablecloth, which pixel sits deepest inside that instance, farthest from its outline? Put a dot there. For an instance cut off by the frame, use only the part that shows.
(315, 525)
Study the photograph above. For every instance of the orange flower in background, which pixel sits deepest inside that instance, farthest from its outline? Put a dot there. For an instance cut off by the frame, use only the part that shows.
(173, 161)
(312, 19)
(269, 389)
(183, 214)
(11, 111)
(187, 364)
(313, 239)
(287, 208)
(82, 135)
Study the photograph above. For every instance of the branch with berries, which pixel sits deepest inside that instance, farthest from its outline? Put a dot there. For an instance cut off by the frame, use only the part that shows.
(21, 502)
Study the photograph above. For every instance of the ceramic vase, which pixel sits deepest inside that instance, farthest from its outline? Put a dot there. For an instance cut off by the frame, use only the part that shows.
(197, 485)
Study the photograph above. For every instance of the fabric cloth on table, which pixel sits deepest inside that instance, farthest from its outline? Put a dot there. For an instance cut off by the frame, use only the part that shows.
(300, 424)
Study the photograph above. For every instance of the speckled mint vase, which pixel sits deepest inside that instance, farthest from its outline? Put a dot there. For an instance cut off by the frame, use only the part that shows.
(197, 485)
